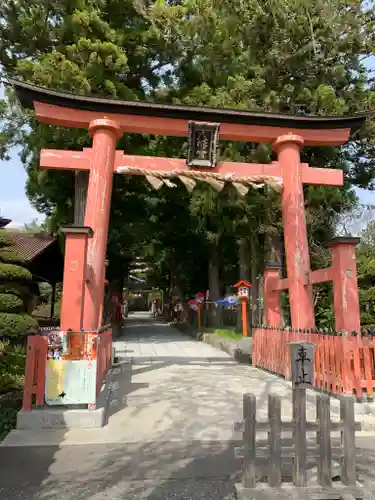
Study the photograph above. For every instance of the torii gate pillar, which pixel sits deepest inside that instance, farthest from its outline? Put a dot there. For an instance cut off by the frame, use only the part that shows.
(295, 231)
(105, 134)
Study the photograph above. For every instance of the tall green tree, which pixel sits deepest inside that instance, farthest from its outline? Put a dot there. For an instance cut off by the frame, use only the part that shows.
(299, 56)
(366, 275)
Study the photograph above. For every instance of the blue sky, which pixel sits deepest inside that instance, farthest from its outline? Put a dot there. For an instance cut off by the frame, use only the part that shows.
(13, 202)
(15, 205)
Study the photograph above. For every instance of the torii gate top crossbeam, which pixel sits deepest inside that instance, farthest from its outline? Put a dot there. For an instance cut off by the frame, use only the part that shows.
(71, 110)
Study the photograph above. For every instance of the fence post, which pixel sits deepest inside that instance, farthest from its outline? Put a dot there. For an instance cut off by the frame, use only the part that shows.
(274, 439)
(323, 416)
(29, 374)
(299, 416)
(302, 364)
(249, 416)
(348, 464)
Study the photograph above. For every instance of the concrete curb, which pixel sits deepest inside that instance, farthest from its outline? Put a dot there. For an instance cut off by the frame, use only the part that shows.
(241, 352)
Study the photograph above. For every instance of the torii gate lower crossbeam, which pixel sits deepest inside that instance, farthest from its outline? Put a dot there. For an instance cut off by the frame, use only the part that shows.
(102, 160)
(343, 274)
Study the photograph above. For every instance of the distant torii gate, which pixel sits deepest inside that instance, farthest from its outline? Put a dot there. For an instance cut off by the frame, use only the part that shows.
(107, 120)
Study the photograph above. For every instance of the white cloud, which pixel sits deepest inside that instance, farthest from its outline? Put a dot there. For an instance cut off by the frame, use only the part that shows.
(20, 211)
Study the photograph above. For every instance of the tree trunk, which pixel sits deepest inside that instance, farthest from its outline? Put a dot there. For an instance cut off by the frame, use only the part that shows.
(80, 195)
(214, 286)
(53, 301)
(274, 256)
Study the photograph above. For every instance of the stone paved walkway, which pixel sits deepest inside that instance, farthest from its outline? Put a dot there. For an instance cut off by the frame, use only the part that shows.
(169, 433)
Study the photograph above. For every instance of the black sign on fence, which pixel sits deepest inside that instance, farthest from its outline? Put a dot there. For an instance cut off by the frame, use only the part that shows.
(302, 361)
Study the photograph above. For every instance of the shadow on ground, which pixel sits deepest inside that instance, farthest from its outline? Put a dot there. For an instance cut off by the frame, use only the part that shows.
(171, 440)
(152, 471)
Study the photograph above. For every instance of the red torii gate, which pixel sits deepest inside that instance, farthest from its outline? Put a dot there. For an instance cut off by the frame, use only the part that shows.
(107, 120)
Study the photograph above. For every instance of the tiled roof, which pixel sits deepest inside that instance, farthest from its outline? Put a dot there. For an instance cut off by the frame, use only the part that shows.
(30, 245)
(4, 222)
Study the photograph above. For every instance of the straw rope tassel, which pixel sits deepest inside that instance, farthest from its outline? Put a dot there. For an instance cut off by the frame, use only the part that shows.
(154, 181)
(169, 183)
(241, 188)
(216, 180)
(217, 185)
(188, 183)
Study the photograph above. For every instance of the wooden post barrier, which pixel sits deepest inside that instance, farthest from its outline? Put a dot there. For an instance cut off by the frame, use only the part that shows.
(305, 485)
(273, 458)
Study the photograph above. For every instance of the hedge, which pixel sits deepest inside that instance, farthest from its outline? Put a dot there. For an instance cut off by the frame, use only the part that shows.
(13, 272)
(16, 325)
(10, 255)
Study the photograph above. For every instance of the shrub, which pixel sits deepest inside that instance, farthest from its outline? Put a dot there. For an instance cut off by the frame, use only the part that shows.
(367, 319)
(14, 291)
(8, 419)
(12, 367)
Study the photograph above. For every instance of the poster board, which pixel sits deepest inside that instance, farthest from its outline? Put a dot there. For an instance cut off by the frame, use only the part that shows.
(71, 368)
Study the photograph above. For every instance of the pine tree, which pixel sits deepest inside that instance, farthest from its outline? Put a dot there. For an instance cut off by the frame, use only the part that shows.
(14, 292)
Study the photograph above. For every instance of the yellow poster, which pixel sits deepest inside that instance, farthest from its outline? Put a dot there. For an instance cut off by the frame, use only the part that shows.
(55, 378)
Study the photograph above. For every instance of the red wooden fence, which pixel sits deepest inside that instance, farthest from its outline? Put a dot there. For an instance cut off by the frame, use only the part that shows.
(103, 356)
(81, 342)
(35, 372)
(342, 364)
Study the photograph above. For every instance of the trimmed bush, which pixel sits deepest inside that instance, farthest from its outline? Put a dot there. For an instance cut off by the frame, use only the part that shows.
(11, 272)
(8, 255)
(12, 367)
(14, 292)
(10, 303)
(16, 325)
(8, 419)
(15, 289)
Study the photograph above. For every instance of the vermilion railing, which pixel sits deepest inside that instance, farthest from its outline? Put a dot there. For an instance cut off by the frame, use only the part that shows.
(103, 356)
(94, 345)
(35, 372)
(343, 364)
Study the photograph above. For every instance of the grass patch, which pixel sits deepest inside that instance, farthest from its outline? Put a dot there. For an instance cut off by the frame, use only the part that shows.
(229, 334)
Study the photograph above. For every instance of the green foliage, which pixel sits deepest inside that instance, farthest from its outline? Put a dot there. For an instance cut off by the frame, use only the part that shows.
(303, 57)
(18, 289)
(9, 255)
(12, 367)
(16, 325)
(14, 292)
(12, 370)
(5, 240)
(229, 334)
(11, 272)
(10, 303)
(8, 420)
(366, 275)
